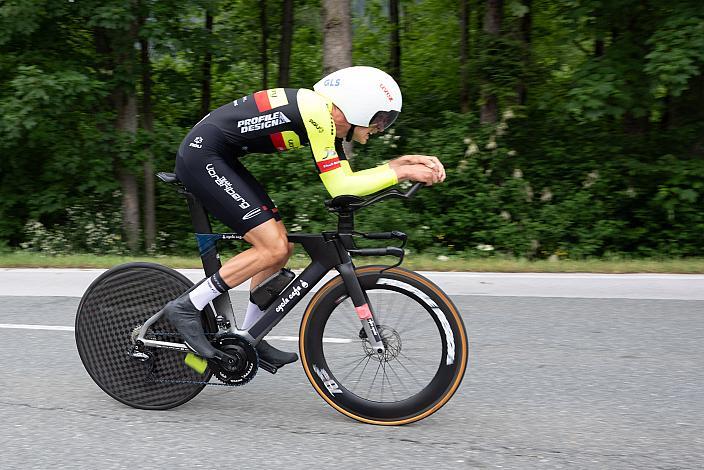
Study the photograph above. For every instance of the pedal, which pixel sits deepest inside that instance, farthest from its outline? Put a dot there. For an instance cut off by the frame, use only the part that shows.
(271, 368)
(196, 363)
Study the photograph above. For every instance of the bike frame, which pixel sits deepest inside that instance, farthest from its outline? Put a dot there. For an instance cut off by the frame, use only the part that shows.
(327, 250)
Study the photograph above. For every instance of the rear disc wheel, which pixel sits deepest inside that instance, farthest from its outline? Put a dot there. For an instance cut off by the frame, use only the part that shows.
(109, 316)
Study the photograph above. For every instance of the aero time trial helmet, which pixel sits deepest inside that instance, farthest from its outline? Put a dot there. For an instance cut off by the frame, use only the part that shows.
(366, 96)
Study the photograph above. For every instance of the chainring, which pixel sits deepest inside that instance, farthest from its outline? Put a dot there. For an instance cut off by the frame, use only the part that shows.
(245, 365)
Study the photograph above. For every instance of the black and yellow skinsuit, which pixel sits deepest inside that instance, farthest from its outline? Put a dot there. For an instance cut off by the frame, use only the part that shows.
(267, 121)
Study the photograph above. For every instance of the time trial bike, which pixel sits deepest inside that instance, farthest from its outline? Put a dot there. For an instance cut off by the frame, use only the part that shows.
(379, 343)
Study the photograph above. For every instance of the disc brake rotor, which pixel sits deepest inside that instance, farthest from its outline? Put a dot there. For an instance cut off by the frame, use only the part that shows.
(391, 340)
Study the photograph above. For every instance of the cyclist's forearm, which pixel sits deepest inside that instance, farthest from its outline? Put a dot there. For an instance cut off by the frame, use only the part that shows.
(360, 183)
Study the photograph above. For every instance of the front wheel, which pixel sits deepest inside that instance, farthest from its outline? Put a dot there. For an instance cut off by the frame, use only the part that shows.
(424, 336)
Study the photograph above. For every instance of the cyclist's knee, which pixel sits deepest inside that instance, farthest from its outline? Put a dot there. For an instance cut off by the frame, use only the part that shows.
(271, 243)
(280, 252)
(273, 252)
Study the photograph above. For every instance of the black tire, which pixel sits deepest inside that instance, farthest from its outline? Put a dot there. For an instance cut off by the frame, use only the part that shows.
(115, 304)
(425, 340)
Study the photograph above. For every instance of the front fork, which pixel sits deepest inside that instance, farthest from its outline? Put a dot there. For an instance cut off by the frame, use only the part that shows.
(361, 306)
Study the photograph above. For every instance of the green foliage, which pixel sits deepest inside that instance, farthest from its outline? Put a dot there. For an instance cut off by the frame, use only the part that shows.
(604, 159)
(84, 231)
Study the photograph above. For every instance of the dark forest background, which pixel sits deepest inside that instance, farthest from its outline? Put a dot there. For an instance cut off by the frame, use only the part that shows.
(569, 128)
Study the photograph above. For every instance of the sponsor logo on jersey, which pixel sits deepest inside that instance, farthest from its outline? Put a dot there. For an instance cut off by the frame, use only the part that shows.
(332, 82)
(226, 185)
(317, 126)
(328, 165)
(197, 142)
(270, 99)
(330, 152)
(285, 140)
(264, 121)
(252, 213)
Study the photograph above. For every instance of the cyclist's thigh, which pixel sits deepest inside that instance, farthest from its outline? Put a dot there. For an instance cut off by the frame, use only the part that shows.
(222, 184)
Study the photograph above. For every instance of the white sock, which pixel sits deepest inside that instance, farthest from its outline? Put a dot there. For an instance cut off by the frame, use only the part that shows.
(203, 294)
(252, 316)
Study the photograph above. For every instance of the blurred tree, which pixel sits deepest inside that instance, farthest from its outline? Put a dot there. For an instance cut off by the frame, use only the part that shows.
(285, 44)
(337, 35)
(337, 43)
(207, 64)
(465, 15)
(395, 42)
(493, 18)
(264, 27)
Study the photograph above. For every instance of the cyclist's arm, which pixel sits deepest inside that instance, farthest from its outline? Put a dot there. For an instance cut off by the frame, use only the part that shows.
(333, 167)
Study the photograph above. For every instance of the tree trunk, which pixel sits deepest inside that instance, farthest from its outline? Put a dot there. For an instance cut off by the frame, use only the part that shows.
(148, 165)
(492, 27)
(286, 41)
(526, 27)
(126, 104)
(337, 35)
(263, 20)
(337, 42)
(206, 68)
(395, 68)
(464, 55)
(116, 51)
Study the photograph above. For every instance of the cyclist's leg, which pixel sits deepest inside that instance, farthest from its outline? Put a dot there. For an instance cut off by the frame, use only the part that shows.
(230, 193)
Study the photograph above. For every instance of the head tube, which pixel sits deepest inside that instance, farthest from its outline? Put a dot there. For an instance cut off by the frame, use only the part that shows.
(382, 120)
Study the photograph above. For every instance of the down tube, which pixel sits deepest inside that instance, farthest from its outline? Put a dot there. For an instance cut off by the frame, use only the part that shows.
(288, 299)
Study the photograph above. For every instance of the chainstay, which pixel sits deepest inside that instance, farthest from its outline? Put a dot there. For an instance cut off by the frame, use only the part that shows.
(153, 377)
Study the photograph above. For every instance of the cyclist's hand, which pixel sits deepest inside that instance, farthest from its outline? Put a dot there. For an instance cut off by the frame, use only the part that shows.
(418, 172)
(430, 161)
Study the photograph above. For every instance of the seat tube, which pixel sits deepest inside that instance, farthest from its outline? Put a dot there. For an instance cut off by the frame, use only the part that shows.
(361, 306)
(210, 258)
(201, 224)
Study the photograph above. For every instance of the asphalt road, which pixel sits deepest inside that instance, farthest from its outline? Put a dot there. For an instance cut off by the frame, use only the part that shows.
(553, 382)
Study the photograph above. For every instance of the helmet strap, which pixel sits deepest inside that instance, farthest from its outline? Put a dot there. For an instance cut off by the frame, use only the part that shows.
(348, 137)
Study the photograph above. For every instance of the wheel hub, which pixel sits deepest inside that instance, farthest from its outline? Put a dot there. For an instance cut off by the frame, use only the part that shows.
(391, 341)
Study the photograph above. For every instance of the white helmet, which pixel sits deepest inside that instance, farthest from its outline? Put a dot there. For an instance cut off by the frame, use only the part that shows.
(365, 95)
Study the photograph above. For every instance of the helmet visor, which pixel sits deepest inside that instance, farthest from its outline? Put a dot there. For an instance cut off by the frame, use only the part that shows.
(382, 120)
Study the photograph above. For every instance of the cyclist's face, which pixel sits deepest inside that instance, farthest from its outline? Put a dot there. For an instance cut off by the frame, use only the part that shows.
(361, 134)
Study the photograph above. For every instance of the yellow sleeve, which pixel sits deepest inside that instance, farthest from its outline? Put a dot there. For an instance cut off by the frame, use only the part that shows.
(334, 169)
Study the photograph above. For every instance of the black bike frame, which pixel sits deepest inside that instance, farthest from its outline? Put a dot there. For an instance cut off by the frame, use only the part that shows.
(327, 250)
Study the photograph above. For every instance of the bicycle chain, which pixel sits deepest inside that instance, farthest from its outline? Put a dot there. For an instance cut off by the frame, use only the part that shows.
(153, 378)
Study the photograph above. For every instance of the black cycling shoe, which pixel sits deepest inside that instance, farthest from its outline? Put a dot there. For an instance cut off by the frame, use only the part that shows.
(185, 317)
(274, 356)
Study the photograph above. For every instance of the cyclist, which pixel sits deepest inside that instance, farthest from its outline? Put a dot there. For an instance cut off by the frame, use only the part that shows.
(351, 103)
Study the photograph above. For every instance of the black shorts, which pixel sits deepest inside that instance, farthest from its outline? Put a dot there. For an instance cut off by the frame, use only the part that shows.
(222, 184)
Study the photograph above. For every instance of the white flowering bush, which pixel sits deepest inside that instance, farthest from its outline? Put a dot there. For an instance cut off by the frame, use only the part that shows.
(83, 231)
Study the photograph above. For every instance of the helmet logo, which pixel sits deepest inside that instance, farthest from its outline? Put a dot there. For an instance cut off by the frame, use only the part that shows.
(332, 82)
(386, 92)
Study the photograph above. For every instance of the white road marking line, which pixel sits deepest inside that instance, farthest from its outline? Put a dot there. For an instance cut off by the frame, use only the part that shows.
(325, 340)
(70, 328)
(36, 327)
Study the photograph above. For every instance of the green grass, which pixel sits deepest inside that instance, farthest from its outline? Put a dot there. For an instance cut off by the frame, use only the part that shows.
(21, 259)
